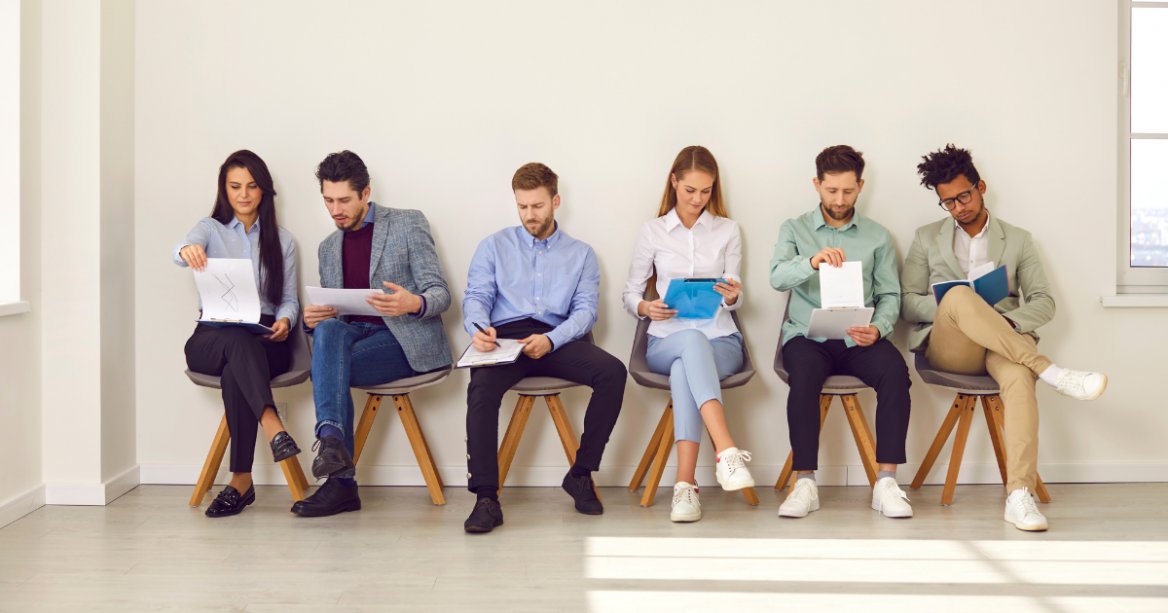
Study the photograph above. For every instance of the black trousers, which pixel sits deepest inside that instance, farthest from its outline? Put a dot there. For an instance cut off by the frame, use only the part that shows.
(245, 364)
(879, 366)
(577, 361)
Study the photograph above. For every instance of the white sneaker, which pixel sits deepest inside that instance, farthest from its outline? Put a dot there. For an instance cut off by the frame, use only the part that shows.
(1023, 513)
(730, 469)
(889, 499)
(1081, 384)
(686, 505)
(803, 499)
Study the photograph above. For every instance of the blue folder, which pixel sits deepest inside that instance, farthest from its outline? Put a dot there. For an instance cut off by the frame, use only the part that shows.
(992, 286)
(693, 298)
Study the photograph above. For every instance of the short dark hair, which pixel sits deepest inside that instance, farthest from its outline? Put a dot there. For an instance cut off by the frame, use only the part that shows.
(839, 158)
(343, 166)
(945, 165)
(533, 175)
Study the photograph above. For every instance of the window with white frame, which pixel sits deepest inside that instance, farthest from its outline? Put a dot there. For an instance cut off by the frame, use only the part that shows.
(10, 151)
(1144, 154)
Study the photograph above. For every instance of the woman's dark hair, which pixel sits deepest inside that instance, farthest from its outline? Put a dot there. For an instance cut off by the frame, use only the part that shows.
(945, 165)
(271, 254)
(343, 166)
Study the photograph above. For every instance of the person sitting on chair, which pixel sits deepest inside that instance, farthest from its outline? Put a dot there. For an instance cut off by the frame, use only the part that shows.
(829, 235)
(966, 335)
(243, 225)
(374, 247)
(693, 236)
(537, 284)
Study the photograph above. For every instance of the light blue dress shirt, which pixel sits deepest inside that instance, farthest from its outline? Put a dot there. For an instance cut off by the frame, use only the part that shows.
(232, 241)
(514, 276)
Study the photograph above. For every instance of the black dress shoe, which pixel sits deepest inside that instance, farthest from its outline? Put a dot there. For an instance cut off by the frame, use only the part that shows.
(583, 492)
(283, 447)
(230, 502)
(332, 459)
(330, 499)
(486, 516)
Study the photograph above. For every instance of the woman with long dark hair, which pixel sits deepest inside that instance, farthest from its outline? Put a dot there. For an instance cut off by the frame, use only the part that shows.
(243, 225)
(693, 236)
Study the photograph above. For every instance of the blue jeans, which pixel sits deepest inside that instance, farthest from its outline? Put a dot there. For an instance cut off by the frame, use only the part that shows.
(695, 364)
(346, 355)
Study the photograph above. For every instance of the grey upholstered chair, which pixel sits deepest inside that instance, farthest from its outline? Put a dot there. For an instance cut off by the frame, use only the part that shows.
(661, 443)
(969, 388)
(399, 391)
(298, 373)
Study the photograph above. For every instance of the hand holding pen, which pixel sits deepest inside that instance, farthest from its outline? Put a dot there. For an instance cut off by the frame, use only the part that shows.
(484, 340)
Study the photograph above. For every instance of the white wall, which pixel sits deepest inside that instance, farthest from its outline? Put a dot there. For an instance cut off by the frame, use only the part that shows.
(20, 369)
(445, 100)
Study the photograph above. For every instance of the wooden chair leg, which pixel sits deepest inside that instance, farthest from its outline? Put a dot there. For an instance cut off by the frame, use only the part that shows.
(966, 410)
(365, 425)
(409, 419)
(294, 475)
(651, 448)
(212, 463)
(998, 412)
(751, 496)
(785, 475)
(938, 442)
(865, 444)
(995, 435)
(511, 438)
(661, 455)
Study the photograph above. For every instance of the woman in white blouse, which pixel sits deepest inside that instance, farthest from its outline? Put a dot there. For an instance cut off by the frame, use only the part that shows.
(692, 236)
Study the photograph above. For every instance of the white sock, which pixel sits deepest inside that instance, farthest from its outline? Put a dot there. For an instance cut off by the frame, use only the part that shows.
(1050, 376)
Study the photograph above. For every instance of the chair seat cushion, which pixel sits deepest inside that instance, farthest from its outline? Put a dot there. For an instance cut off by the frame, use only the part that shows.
(835, 384)
(971, 384)
(288, 379)
(542, 386)
(408, 384)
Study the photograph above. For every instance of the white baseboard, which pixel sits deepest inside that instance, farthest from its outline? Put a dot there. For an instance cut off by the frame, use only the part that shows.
(92, 494)
(21, 504)
(609, 476)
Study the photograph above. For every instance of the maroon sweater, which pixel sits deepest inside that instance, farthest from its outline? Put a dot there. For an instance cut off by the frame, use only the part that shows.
(356, 253)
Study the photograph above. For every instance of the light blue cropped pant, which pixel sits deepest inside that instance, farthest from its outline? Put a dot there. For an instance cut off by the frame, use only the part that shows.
(695, 365)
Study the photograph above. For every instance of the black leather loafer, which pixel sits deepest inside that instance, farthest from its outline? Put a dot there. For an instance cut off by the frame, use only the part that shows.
(332, 459)
(283, 447)
(330, 499)
(583, 491)
(486, 516)
(230, 502)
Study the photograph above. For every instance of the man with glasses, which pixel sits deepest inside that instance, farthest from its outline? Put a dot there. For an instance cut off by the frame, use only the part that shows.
(964, 334)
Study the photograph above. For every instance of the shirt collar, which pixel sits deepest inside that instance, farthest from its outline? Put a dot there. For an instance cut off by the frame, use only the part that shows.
(235, 223)
(819, 222)
(957, 228)
(672, 220)
(550, 241)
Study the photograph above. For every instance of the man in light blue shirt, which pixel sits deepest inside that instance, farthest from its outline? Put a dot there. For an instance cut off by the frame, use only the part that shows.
(829, 235)
(536, 284)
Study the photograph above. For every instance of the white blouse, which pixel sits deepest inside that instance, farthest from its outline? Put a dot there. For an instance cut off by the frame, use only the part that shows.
(712, 248)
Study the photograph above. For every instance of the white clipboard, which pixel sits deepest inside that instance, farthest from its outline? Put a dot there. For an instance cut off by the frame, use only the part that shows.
(506, 353)
(833, 323)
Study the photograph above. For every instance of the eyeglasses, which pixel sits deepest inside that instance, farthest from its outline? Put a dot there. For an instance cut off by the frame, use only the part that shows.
(964, 197)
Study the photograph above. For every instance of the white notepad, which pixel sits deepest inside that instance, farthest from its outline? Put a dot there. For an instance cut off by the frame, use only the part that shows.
(507, 352)
(841, 294)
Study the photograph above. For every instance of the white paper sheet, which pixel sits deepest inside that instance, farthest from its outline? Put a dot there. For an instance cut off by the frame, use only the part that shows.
(842, 286)
(345, 301)
(227, 290)
(834, 323)
(507, 351)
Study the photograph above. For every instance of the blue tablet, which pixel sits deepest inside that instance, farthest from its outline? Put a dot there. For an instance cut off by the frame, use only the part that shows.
(693, 298)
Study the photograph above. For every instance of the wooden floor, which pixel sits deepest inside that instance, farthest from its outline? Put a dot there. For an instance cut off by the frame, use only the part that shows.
(1107, 550)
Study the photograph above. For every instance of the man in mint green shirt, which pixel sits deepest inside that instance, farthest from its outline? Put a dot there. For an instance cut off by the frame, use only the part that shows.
(828, 236)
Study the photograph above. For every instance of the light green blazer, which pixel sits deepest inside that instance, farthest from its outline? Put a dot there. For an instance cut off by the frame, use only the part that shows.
(931, 260)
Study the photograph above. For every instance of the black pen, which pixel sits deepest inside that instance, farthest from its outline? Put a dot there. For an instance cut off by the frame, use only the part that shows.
(480, 328)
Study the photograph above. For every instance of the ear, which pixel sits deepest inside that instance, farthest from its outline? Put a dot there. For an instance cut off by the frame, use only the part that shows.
(555, 202)
(981, 187)
(365, 192)
(815, 182)
(860, 185)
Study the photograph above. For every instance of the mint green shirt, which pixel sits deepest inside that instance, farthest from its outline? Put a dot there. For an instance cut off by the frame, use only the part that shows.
(861, 239)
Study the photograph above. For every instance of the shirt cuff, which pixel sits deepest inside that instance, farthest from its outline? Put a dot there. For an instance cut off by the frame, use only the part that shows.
(422, 311)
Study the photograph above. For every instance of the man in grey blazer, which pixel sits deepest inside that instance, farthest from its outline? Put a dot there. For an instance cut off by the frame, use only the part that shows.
(964, 334)
(374, 247)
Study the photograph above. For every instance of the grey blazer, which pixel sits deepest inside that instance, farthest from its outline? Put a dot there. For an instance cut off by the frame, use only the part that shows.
(403, 253)
(931, 260)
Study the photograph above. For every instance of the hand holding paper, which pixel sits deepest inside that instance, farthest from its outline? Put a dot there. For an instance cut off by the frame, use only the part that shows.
(843, 314)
